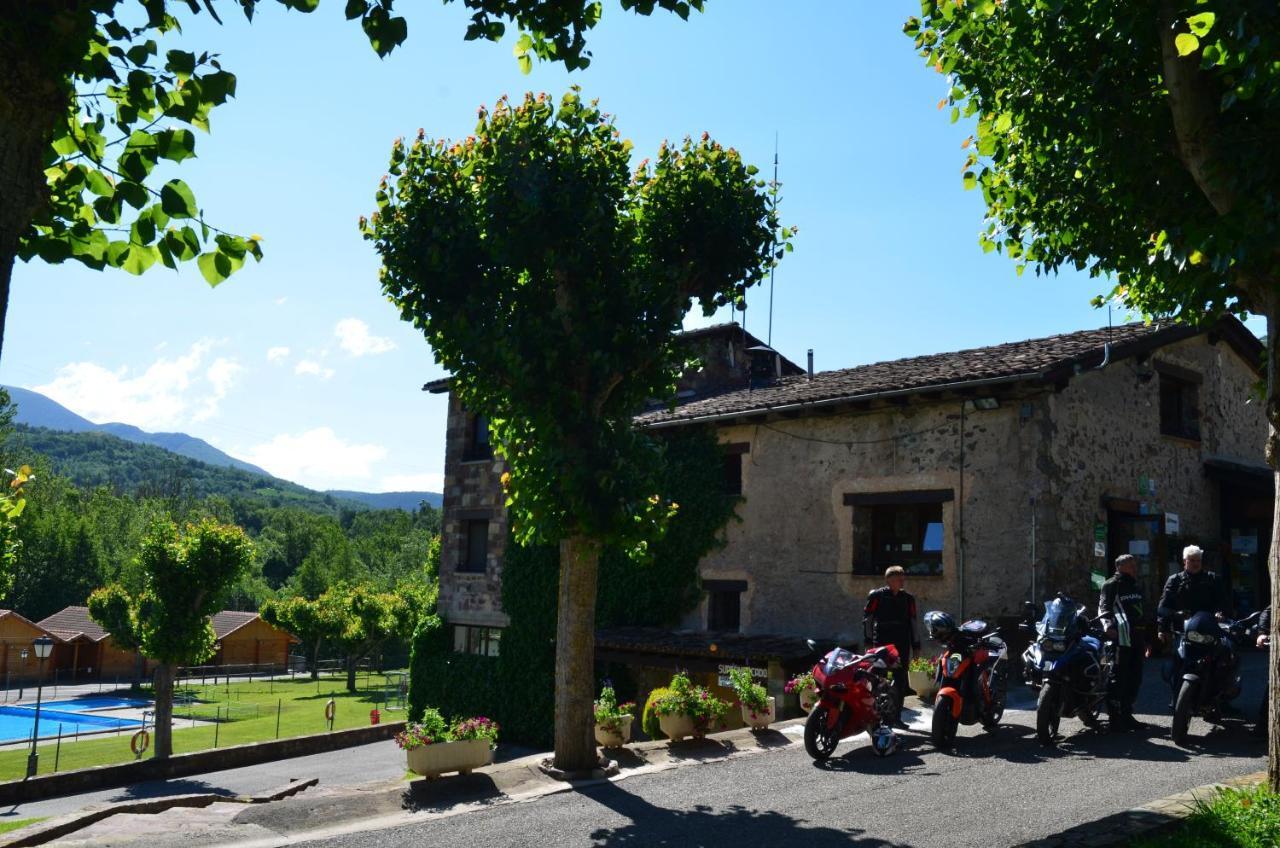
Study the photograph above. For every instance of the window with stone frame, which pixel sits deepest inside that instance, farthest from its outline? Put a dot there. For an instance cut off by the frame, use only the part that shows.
(899, 528)
(475, 546)
(724, 604)
(478, 446)
(1179, 402)
(733, 454)
(480, 641)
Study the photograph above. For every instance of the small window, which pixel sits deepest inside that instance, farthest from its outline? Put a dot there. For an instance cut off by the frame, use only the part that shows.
(905, 534)
(480, 641)
(724, 610)
(733, 474)
(478, 444)
(475, 550)
(1179, 407)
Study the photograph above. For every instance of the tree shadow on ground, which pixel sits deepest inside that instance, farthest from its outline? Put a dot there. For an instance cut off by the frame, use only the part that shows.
(702, 826)
(701, 749)
(427, 795)
(164, 788)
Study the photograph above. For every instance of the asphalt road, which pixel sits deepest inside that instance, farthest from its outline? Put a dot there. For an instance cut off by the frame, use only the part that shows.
(994, 789)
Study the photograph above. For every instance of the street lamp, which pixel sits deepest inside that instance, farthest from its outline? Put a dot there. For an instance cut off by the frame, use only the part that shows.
(44, 647)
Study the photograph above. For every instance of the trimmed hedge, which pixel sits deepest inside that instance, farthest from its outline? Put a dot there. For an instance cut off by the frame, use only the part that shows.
(517, 688)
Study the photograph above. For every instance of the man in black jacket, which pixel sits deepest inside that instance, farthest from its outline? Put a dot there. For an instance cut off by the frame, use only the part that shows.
(1121, 608)
(889, 618)
(1189, 591)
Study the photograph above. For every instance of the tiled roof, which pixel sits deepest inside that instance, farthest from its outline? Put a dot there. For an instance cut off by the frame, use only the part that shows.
(229, 621)
(1036, 358)
(72, 622)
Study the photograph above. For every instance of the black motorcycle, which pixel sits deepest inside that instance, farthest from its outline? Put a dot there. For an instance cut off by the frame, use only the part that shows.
(1203, 677)
(1069, 665)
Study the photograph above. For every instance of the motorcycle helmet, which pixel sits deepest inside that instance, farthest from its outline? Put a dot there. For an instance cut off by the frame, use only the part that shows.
(939, 625)
(884, 741)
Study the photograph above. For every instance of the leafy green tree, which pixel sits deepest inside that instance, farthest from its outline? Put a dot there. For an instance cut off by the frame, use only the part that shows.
(1135, 140)
(550, 278)
(329, 562)
(358, 620)
(89, 106)
(187, 577)
(301, 617)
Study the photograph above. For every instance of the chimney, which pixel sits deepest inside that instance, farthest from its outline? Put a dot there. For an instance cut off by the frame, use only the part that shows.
(765, 366)
(810, 363)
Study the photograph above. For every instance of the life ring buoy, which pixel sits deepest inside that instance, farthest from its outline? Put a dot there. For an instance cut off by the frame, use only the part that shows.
(329, 710)
(140, 742)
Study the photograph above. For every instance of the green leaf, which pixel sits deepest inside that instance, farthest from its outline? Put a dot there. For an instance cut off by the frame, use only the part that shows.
(215, 267)
(1201, 24)
(356, 8)
(970, 181)
(1004, 123)
(132, 193)
(180, 63)
(1186, 43)
(176, 144)
(139, 258)
(98, 182)
(177, 200)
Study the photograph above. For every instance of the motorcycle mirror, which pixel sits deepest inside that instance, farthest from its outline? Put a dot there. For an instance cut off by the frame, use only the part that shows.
(813, 646)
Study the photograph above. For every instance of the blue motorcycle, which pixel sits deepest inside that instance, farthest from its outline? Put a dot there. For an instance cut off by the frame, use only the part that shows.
(1068, 665)
(1203, 677)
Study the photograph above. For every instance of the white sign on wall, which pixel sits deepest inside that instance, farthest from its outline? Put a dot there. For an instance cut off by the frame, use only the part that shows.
(1171, 523)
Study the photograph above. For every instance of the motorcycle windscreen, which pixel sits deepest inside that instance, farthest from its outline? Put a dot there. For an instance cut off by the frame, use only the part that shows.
(1203, 625)
(836, 660)
(1059, 619)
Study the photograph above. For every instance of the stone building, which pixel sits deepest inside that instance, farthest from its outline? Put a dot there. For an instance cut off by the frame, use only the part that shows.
(994, 476)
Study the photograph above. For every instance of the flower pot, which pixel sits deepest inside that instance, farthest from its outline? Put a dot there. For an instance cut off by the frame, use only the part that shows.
(677, 726)
(462, 757)
(924, 684)
(617, 736)
(759, 720)
(808, 698)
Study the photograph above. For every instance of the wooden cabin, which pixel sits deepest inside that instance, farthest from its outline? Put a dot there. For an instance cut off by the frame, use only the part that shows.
(245, 639)
(85, 650)
(18, 634)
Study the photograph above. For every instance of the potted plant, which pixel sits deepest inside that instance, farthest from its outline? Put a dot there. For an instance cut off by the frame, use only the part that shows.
(757, 705)
(433, 748)
(613, 720)
(803, 685)
(922, 677)
(688, 710)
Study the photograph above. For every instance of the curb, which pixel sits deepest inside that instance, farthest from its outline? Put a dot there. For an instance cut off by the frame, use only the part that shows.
(56, 828)
(1150, 819)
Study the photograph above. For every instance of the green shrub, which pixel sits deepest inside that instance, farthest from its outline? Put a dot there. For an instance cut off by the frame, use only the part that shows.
(649, 721)
(752, 695)
(696, 702)
(1232, 818)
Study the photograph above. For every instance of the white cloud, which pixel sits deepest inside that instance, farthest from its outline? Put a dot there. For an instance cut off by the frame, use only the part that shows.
(317, 458)
(310, 366)
(275, 354)
(168, 394)
(280, 301)
(221, 376)
(412, 483)
(353, 337)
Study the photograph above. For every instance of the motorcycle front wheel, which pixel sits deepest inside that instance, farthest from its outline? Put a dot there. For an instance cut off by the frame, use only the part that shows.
(818, 740)
(1048, 714)
(1182, 709)
(943, 732)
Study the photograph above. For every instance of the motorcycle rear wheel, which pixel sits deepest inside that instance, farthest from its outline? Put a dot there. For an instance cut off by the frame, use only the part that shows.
(943, 731)
(1048, 714)
(818, 741)
(1182, 709)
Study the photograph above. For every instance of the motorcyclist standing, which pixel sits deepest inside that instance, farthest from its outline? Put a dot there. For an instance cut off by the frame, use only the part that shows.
(1263, 643)
(1120, 606)
(889, 618)
(1187, 592)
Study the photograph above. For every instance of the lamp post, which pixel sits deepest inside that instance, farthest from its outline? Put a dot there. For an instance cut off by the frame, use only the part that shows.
(44, 647)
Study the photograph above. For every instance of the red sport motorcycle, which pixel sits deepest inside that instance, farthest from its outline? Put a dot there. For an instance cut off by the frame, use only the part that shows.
(855, 695)
(972, 676)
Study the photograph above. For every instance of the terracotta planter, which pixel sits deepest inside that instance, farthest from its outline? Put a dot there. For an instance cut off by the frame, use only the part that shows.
(462, 757)
(759, 720)
(677, 726)
(616, 737)
(808, 698)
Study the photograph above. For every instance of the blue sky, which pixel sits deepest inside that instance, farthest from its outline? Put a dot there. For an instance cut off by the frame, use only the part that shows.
(299, 365)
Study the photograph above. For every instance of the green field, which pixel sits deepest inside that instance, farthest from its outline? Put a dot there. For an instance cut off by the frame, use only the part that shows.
(226, 715)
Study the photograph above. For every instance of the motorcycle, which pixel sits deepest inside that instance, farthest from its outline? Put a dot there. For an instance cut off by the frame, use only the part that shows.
(854, 695)
(1205, 680)
(972, 676)
(1068, 665)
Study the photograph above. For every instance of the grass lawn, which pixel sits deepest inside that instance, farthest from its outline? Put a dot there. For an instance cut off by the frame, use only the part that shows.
(6, 826)
(246, 712)
(1234, 818)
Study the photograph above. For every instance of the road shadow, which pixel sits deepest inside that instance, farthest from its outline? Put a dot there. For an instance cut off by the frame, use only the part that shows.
(164, 788)
(427, 795)
(860, 758)
(702, 826)
(701, 749)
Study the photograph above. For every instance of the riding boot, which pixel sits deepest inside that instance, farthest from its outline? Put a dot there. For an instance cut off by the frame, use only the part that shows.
(1116, 716)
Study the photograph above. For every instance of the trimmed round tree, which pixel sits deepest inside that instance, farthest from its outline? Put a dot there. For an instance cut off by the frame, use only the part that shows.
(550, 279)
(187, 576)
(1135, 140)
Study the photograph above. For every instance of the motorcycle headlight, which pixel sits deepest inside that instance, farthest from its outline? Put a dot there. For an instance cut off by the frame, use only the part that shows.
(1053, 645)
(953, 663)
(1201, 638)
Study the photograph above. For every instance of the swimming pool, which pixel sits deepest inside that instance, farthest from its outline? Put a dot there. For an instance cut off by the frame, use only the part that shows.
(96, 702)
(16, 723)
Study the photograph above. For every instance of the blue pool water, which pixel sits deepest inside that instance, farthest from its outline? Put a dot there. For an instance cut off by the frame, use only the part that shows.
(16, 723)
(97, 702)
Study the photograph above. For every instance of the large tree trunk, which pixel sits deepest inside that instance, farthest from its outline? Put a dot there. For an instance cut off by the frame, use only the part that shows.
(313, 659)
(575, 654)
(1273, 558)
(352, 660)
(164, 710)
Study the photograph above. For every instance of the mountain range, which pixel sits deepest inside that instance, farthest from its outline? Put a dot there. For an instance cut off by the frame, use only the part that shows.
(34, 410)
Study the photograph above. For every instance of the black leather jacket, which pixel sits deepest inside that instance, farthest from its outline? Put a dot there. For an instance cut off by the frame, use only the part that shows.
(1185, 592)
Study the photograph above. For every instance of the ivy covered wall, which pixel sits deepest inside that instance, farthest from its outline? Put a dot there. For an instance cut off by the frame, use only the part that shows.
(517, 688)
